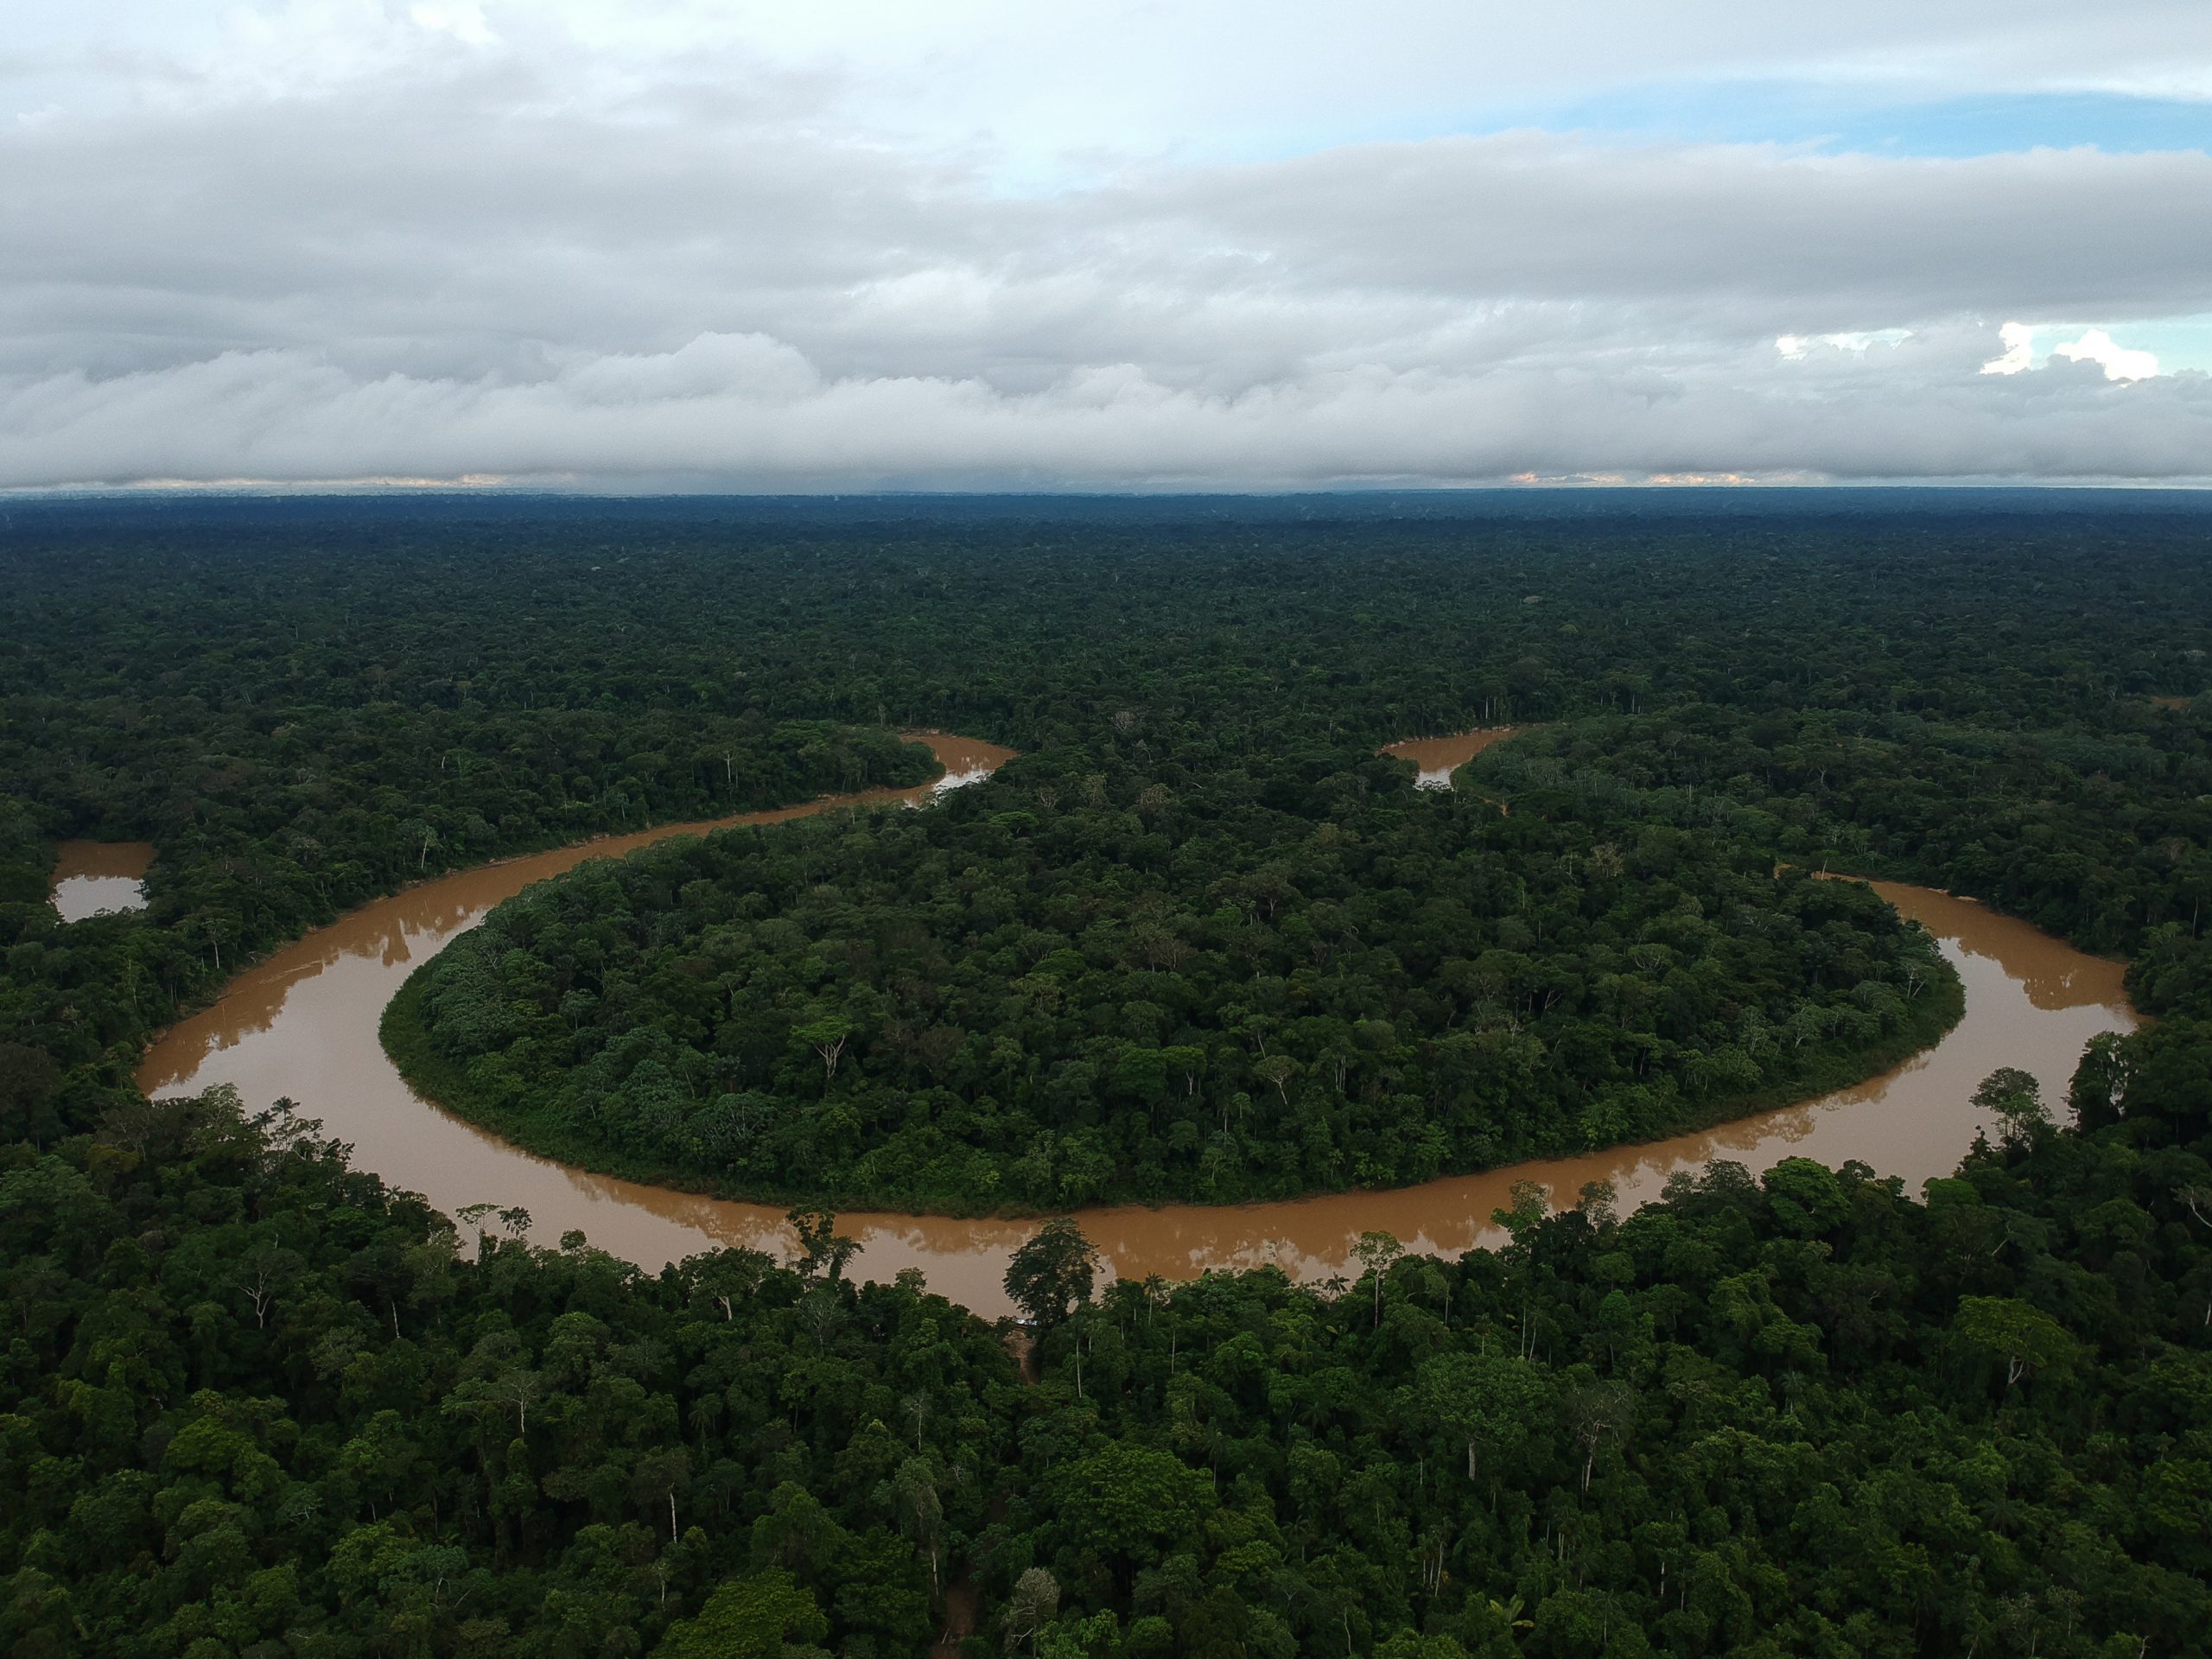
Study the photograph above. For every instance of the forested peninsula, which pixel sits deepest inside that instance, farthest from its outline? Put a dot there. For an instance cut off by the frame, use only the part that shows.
(255, 1403)
(1107, 975)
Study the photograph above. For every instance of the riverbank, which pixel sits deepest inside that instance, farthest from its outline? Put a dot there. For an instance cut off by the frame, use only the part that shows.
(442, 1083)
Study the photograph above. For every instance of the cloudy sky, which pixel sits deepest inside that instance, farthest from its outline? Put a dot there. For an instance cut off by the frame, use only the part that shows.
(971, 244)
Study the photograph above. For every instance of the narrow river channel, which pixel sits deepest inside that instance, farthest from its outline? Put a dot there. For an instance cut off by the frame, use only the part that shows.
(303, 1024)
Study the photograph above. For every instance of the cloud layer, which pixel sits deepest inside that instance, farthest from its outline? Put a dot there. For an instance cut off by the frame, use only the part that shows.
(474, 257)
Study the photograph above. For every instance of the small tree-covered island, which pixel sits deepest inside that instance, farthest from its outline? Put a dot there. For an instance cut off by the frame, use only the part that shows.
(1196, 943)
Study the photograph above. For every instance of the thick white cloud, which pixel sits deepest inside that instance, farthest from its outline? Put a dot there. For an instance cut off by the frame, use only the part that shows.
(772, 424)
(478, 239)
(2019, 353)
(2119, 362)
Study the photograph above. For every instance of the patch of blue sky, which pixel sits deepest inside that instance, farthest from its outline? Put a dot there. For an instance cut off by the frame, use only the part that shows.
(2180, 344)
(1837, 117)
(1841, 119)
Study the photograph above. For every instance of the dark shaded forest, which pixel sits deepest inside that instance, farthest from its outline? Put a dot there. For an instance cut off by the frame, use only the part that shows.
(255, 1404)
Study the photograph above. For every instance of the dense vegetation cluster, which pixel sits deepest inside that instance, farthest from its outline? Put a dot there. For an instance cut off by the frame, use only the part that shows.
(258, 1405)
(2103, 841)
(286, 840)
(255, 1405)
(1069, 985)
(301, 704)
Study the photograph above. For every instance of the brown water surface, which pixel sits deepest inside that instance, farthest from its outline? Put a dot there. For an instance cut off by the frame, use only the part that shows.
(1438, 758)
(304, 1024)
(92, 878)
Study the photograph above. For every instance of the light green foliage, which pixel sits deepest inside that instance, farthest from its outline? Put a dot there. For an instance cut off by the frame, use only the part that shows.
(1127, 1503)
(761, 1615)
(2024, 1339)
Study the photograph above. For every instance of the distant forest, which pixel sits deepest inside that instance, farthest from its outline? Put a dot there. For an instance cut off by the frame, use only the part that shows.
(1199, 940)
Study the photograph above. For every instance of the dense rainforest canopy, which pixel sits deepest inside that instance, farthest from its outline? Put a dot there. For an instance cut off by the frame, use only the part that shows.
(254, 1403)
(259, 1408)
(1069, 985)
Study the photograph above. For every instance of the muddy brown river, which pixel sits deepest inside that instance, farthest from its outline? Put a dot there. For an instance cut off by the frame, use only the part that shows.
(303, 1024)
(92, 878)
(1435, 759)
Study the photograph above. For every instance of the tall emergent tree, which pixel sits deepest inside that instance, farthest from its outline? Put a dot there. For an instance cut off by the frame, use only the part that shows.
(1050, 1276)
